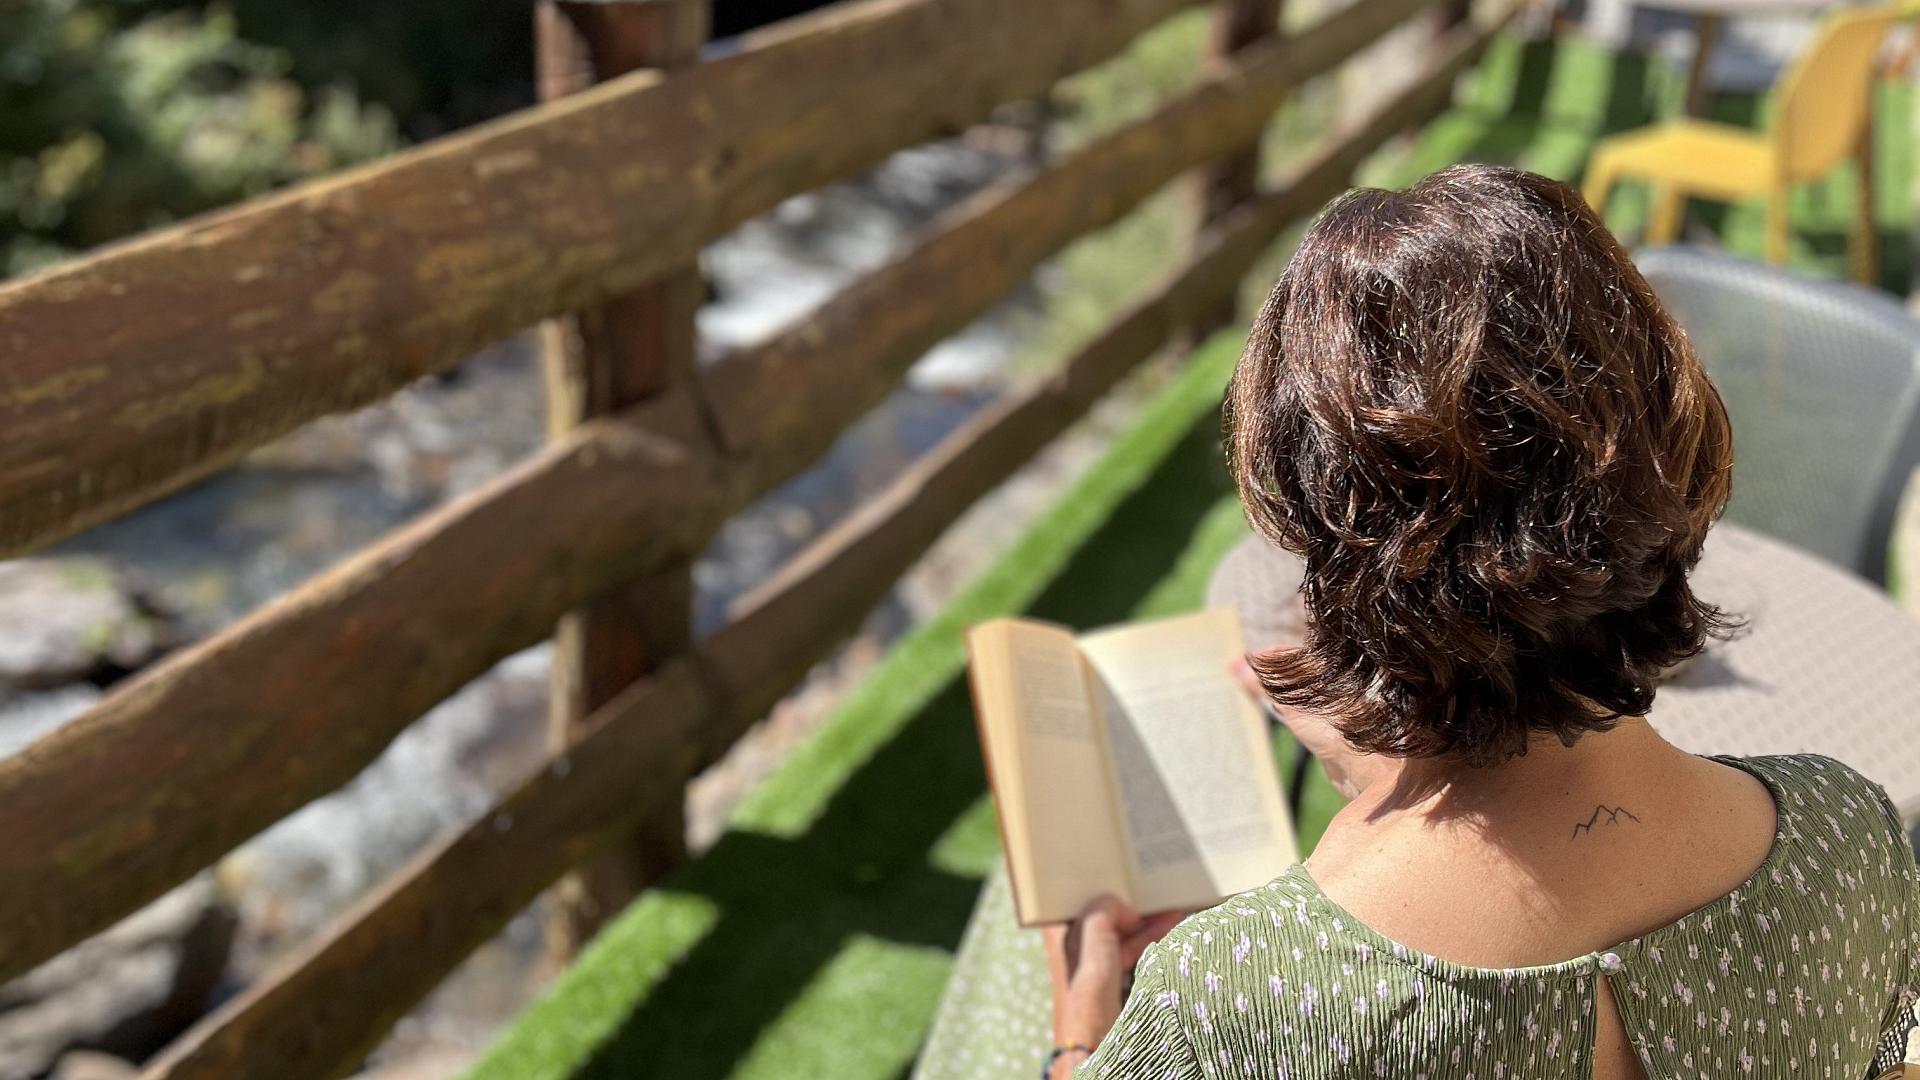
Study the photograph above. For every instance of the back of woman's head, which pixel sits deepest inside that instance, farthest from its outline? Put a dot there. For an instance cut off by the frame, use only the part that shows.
(1498, 456)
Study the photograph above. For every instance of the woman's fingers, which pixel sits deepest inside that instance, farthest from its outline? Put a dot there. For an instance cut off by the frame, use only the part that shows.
(1102, 927)
(1056, 933)
(1150, 930)
(1088, 974)
(1093, 940)
(1110, 915)
(1109, 931)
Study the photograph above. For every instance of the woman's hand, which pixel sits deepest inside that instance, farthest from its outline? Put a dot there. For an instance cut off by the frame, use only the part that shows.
(1088, 960)
(1349, 770)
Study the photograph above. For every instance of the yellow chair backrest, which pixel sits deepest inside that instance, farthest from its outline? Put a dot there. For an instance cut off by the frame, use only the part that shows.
(1826, 98)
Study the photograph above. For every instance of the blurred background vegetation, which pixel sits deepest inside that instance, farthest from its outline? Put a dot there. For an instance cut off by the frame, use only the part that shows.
(118, 115)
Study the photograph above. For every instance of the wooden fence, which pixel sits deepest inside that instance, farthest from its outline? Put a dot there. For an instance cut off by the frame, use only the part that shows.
(146, 365)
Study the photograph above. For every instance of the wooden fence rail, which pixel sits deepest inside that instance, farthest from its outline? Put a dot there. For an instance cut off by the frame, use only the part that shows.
(325, 1007)
(152, 363)
(289, 704)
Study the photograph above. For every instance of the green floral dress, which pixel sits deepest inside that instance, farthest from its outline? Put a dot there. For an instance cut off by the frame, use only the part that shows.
(1807, 969)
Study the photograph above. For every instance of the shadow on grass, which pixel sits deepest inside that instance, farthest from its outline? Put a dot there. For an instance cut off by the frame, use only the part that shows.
(788, 905)
(1628, 100)
(1573, 93)
(1532, 79)
(1553, 95)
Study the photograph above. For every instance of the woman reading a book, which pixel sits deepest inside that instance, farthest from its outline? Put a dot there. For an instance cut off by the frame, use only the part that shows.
(1498, 457)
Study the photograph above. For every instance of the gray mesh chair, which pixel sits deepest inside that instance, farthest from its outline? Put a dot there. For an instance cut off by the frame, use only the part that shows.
(1822, 380)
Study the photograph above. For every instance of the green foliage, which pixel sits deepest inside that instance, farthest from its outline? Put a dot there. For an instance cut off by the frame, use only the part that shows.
(114, 120)
(435, 64)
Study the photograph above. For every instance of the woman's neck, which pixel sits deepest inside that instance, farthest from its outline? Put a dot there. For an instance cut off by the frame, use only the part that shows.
(1439, 788)
(1559, 851)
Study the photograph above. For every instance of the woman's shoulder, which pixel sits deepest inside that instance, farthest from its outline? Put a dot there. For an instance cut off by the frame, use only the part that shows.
(1826, 787)
(1221, 973)
(1799, 769)
(1286, 900)
(1238, 957)
(1837, 829)
(1257, 941)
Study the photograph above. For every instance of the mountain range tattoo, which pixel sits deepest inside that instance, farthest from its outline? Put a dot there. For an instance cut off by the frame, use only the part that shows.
(1613, 815)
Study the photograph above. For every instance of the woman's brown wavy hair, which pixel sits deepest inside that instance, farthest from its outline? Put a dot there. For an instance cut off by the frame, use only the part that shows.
(1498, 455)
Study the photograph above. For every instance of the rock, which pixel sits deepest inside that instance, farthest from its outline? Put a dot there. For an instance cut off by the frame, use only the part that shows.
(26, 717)
(92, 1065)
(69, 620)
(126, 991)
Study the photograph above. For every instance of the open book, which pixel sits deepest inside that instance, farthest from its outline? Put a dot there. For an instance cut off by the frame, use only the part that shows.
(1126, 761)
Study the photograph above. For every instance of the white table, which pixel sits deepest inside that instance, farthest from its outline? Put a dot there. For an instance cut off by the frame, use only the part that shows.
(1826, 662)
(1707, 17)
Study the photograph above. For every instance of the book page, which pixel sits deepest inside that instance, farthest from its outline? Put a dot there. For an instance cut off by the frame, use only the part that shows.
(1192, 762)
(1047, 762)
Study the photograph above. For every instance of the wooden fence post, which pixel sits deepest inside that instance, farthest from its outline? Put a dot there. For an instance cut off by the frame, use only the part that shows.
(597, 362)
(1232, 180)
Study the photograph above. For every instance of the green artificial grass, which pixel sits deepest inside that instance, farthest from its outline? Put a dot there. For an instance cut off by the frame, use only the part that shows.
(815, 938)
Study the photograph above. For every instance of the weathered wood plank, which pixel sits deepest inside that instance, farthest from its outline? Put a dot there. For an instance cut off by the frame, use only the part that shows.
(291, 703)
(322, 1009)
(784, 402)
(146, 365)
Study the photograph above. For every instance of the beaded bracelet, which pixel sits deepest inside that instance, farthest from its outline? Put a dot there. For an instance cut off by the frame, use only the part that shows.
(1046, 1071)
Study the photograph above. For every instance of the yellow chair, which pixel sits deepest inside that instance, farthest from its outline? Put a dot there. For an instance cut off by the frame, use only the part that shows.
(1823, 115)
